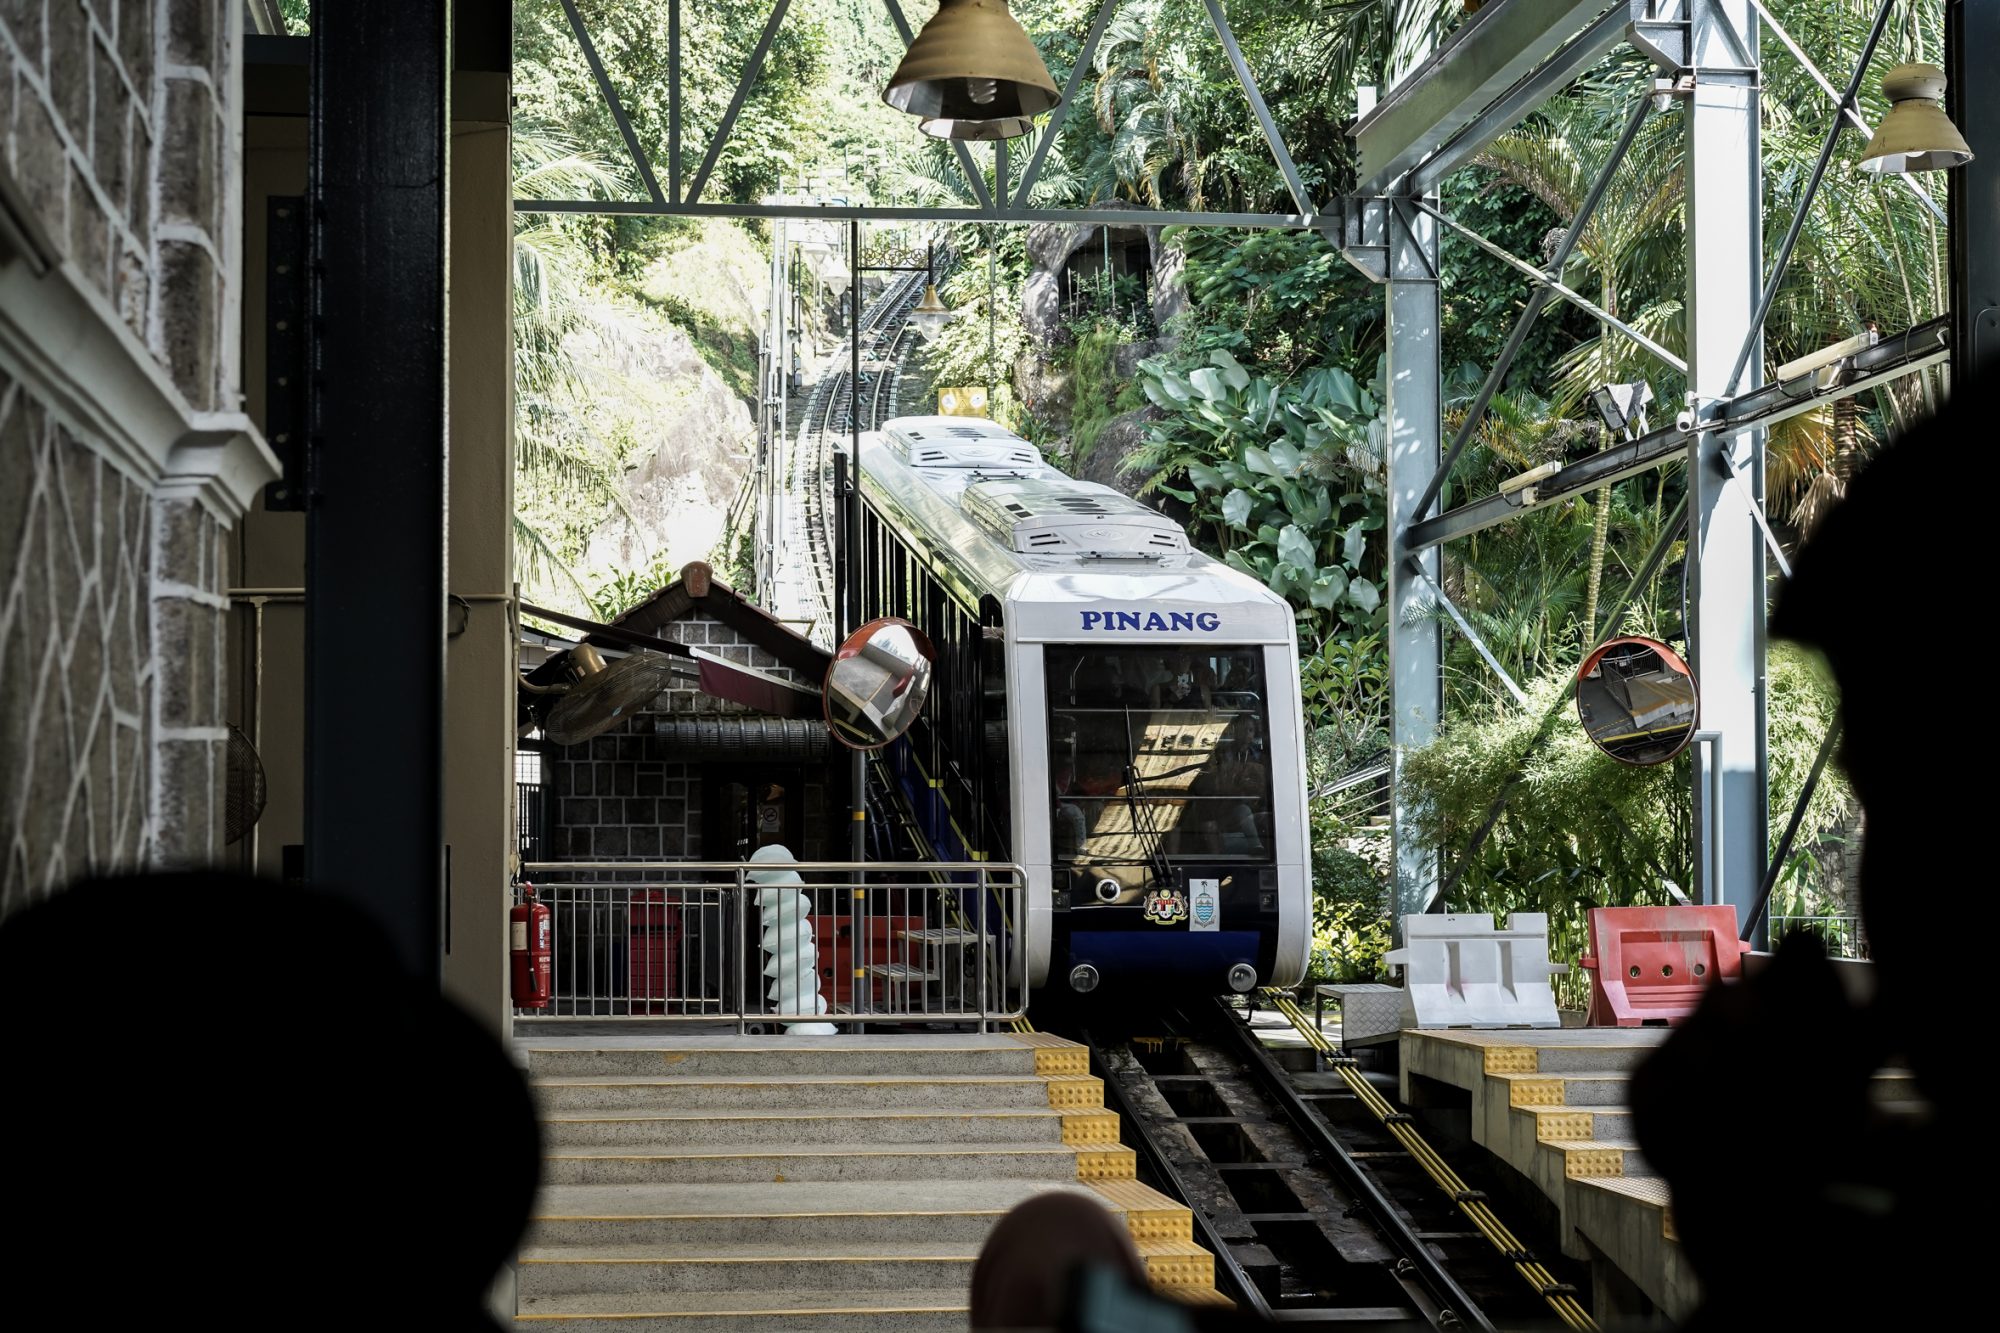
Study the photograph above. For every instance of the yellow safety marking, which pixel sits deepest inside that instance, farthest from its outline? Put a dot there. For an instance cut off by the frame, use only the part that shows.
(859, 894)
(1107, 1164)
(1089, 1127)
(1055, 1060)
(1075, 1092)
(1149, 1214)
(1589, 1163)
(1512, 1060)
(1178, 1266)
(858, 815)
(1565, 1126)
(936, 783)
(860, 972)
(1535, 1092)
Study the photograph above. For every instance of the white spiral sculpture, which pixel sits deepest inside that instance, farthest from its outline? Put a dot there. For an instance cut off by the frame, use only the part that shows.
(791, 957)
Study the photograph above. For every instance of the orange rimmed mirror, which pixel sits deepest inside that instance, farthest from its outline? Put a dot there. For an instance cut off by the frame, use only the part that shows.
(1637, 701)
(877, 683)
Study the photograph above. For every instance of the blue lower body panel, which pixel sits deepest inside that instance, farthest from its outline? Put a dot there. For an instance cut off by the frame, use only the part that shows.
(1165, 952)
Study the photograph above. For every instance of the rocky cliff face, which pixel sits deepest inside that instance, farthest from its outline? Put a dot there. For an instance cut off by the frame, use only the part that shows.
(692, 441)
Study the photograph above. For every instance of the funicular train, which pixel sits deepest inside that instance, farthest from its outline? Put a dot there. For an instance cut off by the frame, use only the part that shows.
(1111, 709)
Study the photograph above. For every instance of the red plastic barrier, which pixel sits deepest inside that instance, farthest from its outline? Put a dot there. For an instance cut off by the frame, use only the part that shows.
(653, 941)
(1651, 963)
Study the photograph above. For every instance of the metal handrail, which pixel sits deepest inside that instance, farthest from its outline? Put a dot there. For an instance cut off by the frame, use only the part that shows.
(701, 941)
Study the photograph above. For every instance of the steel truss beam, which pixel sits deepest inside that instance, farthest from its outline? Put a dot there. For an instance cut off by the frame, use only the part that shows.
(1009, 206)
(1891, 359)
(1490, 58)
(1537, 301)
(1542, 279)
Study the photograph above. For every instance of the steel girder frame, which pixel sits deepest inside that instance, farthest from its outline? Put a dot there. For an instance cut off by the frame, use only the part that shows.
(1416, 434)
(1492, 73)
(1725, 560)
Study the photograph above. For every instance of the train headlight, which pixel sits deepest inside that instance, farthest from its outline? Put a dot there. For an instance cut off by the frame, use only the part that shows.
(1083, 978)
(1242, 978)
(1109, 890)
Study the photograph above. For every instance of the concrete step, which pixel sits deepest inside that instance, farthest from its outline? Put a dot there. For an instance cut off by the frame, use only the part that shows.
(1587, 1159)
(806, 1092)
(1605, 1058)
(719, 1163)
(1564, 1089)
(954, 1211)
(941, 1271)
(783, 1056)
(810, 1310)
(906, 1268)
(866, 1129)
(1596, 1124)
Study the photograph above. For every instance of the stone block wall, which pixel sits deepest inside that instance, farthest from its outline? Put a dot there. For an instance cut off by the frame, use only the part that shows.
(123, 455)
(626, 796)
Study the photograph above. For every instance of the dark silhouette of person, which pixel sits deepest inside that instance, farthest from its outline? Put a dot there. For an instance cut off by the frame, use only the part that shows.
(1800, 1199)
(227, 1098)
(1022, 1277)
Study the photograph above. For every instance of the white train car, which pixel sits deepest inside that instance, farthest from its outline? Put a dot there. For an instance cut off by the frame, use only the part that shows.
(1112, 709)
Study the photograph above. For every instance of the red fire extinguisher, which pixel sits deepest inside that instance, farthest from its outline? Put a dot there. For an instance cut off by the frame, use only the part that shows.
(531, 933)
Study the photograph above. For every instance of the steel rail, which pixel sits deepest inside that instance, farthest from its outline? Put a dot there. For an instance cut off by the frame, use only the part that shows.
(1559, 1295)
(1394, 1225)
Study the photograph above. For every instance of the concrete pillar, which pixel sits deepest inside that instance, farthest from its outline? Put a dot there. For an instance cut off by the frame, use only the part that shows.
(479, 659)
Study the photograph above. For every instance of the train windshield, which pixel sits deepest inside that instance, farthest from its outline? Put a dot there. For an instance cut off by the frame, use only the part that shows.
(1159, 754)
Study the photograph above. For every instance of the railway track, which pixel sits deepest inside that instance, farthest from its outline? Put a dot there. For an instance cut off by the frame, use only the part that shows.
(885, 346)
(1312, 1209)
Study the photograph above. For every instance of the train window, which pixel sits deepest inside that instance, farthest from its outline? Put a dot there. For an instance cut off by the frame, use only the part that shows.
(1159, 753)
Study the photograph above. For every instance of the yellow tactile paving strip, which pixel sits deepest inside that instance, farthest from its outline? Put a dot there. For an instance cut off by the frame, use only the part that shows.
(1583, 1161)
(1081, 1092)
(1163, 1229)
(1563, 1124)
(1093, 1128)
(1523, 1091)
(1512, 1060)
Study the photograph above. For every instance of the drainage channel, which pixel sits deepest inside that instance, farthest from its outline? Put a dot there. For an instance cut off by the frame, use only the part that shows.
(1312, 1215)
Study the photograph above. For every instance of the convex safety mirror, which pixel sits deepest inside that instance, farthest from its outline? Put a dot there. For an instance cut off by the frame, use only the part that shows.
(877, 683)
(1638, 701)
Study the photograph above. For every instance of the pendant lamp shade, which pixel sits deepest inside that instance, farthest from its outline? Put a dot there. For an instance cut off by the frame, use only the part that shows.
(1916, 135)
(971, 66)
(930, 315)
(978, 131)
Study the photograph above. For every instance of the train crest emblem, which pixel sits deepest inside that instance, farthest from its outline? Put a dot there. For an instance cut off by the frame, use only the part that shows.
(1164, 907)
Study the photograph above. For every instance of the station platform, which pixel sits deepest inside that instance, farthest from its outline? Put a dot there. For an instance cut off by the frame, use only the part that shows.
(1550, 1103)
(696, 1183)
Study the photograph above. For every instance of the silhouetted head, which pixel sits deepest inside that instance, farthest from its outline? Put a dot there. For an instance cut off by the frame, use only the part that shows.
(1023, 1275)
(1880, 590)
(232, 1092)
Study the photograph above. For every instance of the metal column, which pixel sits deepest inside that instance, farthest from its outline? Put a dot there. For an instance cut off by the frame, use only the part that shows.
(1972, 32)
(375, 527)
(1416, 430)
(1726, 576)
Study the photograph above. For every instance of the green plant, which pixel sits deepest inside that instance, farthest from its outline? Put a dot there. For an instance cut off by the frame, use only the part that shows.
(1285, 476)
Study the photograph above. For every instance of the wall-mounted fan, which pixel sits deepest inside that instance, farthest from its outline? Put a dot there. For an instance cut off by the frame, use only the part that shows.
(243, 790)
(606, 694)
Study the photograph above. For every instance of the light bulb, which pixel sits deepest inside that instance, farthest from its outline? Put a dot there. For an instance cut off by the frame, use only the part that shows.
(983, 91)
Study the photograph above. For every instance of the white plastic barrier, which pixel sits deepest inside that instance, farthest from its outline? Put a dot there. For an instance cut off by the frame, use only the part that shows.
(1465, 972)
(792, 956)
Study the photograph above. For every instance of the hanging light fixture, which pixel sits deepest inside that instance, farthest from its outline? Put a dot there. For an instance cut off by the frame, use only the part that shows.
(972, 73)
(1916, 135)
(930, 315)
(978, 131)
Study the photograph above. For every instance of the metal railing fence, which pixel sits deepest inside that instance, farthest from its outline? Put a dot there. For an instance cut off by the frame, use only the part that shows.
(1842, 933)
(849, 942)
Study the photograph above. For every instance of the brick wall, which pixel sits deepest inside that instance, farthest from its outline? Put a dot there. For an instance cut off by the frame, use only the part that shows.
(119, 143)
(625, 795)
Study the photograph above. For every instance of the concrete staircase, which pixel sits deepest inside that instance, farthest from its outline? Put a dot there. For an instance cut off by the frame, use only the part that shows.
(833, 1183)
